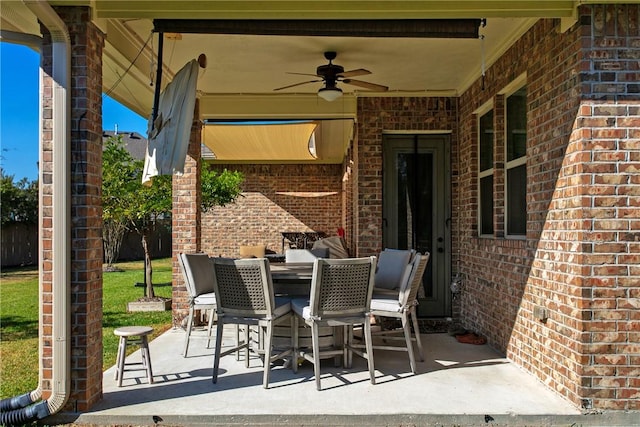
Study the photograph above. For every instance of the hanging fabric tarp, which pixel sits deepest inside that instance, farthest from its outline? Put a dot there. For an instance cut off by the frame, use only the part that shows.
(170, 132)
(256, 141)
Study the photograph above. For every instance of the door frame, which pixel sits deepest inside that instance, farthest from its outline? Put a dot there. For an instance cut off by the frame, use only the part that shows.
(442, 194)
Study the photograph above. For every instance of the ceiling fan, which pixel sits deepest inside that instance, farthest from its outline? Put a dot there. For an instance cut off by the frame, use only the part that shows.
(331, 74)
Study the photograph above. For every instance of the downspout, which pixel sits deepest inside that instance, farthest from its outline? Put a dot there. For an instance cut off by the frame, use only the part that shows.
(61, 242)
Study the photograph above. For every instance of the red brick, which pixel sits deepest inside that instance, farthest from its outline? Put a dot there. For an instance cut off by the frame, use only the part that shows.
(86, 149)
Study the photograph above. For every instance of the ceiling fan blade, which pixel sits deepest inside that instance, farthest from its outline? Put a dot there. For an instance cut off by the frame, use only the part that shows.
(303, 74)
(298, 84)
(353, 73)
(366, 85)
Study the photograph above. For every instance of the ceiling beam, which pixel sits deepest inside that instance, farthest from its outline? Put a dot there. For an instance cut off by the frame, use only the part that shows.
(329, 9)
(416, 28)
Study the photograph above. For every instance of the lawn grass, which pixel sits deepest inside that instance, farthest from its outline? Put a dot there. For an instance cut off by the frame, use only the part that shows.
(19, 318)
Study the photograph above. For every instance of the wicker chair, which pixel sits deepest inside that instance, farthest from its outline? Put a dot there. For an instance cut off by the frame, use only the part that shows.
(341, 292)
(197, 271)
(402, 306)
(244, 292)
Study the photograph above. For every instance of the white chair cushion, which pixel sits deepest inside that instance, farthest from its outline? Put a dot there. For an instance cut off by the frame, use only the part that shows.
(299, 255)
(385, 303)
(205, 299)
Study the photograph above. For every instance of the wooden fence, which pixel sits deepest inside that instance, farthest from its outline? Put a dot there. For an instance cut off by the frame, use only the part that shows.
(20, 245)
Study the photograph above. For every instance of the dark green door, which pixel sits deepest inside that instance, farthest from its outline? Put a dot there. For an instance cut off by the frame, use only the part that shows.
(416, 210)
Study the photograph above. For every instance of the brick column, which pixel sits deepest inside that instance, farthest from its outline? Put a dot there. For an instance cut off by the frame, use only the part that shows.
(608, 146)
(86, 210)
(586, 271)
(601, 187)
(186, 217)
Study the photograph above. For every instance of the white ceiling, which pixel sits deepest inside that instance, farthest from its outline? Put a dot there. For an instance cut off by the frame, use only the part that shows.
(249, 64)
(259, 64)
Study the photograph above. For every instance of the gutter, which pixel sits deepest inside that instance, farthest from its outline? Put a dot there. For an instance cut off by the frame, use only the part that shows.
(21, 409)
(29, 40)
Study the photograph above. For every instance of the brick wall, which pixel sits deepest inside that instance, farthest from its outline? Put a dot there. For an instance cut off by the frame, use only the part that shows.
(605, 147)
(86, 211)
(275, 198)
(376, 115)
(579, 260)
(496, 269)
(186, 217)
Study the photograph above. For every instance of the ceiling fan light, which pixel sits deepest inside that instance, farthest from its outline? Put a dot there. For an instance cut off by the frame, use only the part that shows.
(330, 93)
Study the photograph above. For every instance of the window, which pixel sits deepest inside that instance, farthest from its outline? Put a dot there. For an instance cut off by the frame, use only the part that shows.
(516, 165)
(485, 145)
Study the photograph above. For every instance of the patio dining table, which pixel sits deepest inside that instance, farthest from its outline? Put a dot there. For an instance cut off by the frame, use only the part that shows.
(292, 279)
(298, 271)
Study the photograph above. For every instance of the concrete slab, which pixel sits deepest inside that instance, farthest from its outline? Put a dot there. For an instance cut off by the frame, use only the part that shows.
(457, 384)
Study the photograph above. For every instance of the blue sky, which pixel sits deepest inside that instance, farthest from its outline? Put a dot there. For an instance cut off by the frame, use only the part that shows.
(19, 87)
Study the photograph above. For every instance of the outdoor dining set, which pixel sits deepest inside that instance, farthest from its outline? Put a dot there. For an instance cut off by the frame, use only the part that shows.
(309, 310)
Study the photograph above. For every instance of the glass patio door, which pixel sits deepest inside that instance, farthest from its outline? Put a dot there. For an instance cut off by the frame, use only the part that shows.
(416, 210)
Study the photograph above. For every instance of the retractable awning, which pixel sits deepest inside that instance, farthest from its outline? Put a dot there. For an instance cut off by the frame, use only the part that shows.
(321, 141)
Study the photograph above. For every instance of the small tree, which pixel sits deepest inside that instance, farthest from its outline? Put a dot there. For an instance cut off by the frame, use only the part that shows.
(147, 205)
(139, 206)
(219, 188)
(118, 174)
(18, 200)
(154, 202)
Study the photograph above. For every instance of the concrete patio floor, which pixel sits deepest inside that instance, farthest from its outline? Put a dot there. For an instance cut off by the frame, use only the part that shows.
(457, 385)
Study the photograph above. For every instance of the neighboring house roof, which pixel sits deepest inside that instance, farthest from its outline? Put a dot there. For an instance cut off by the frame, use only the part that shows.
(135, 143)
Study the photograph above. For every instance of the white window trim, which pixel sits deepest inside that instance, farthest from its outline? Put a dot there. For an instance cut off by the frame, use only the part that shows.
(514, 86)
(509, 90)
(487, 107)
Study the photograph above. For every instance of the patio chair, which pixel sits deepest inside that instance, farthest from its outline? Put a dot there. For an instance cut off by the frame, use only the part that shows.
(402, 306)
(341, 292)
(198, 278)
(245, 296)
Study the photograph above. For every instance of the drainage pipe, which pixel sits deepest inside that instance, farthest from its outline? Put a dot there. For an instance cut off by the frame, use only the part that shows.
(61, 242)
(29, 40)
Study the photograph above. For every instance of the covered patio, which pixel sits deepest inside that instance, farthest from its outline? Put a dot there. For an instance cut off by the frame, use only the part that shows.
(550, 278)
(456, 384)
